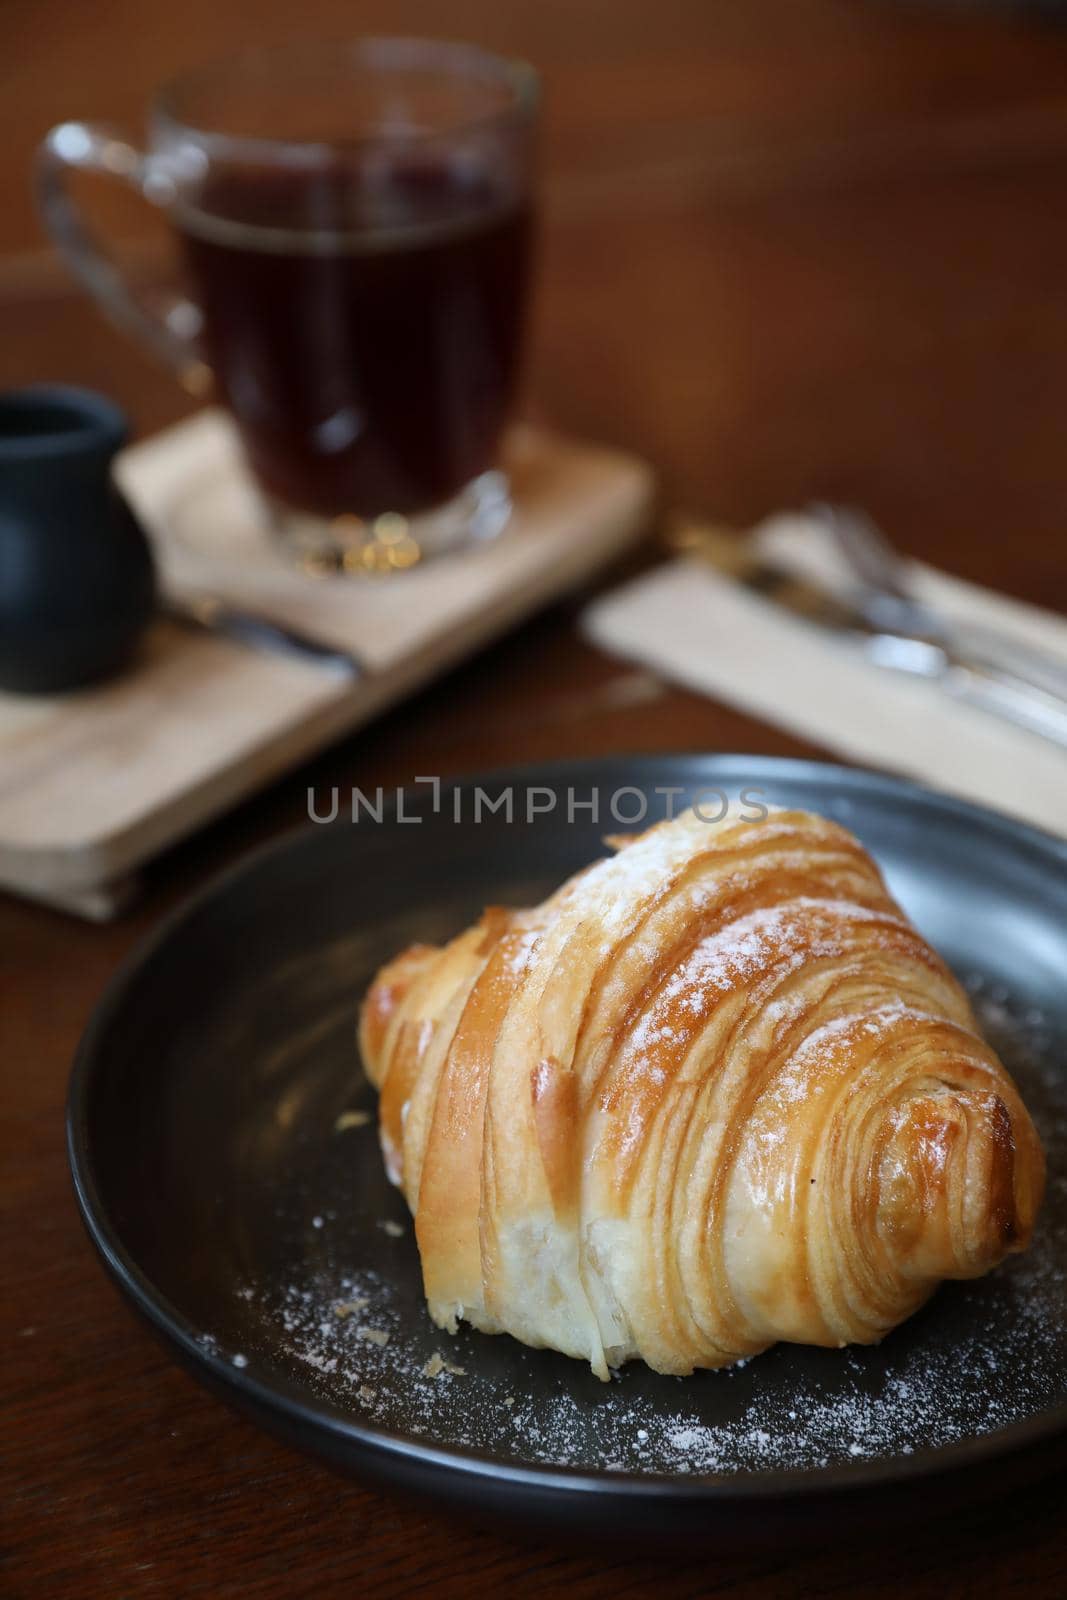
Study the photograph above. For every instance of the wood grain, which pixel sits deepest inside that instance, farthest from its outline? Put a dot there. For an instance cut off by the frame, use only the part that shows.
(201, 721)
(793, 248)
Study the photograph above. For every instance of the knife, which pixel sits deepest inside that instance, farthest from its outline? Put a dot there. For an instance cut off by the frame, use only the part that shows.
(968, 675)
(211, 614)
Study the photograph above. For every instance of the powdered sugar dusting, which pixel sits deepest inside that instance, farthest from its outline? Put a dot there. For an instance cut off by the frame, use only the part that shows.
(981, 1356)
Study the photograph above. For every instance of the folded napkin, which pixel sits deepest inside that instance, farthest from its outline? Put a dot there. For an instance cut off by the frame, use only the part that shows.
(693, 625)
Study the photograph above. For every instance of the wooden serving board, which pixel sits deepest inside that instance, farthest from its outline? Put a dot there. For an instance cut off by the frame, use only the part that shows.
(94, 783)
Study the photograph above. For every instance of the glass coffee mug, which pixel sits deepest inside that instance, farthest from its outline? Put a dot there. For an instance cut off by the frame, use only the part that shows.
(355, 222)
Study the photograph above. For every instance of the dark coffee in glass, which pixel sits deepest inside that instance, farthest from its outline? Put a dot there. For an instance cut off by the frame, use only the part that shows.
(370, 363)
(355, 224)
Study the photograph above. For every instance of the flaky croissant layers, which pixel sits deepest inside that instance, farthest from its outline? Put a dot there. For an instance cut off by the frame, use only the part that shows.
(714, 1092)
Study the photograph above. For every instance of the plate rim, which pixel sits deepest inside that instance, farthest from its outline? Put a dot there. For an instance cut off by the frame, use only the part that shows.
(298, 1406)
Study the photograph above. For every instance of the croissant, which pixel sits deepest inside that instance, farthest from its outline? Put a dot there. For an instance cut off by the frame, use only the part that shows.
(713, 1093)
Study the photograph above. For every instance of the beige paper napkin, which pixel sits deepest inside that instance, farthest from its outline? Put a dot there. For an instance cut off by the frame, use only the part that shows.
(575, 505)
(698, 628)
(94, 783)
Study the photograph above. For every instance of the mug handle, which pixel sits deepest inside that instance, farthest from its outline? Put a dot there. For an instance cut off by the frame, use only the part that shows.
(169, 334)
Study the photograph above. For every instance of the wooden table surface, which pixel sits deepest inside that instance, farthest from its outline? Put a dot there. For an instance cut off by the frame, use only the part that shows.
(793, 248)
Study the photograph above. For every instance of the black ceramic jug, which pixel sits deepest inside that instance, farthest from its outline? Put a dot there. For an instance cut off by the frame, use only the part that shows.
(76, 577)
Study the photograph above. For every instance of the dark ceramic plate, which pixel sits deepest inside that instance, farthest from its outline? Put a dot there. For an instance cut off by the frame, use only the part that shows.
(224, 1151)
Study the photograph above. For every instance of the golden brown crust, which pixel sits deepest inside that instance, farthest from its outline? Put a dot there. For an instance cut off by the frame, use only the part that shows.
(713, 1093)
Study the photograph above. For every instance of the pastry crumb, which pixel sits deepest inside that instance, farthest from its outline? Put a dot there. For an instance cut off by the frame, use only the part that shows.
(366, 1393)
(351, 1119)
(395, 1230)
(348, 1308)
(510, 1401)
(376, 1336)
(438, 1365)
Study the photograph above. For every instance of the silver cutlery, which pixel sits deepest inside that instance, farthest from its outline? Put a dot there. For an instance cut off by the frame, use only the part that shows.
(214, 615)
(885, 594)
(971, 676)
